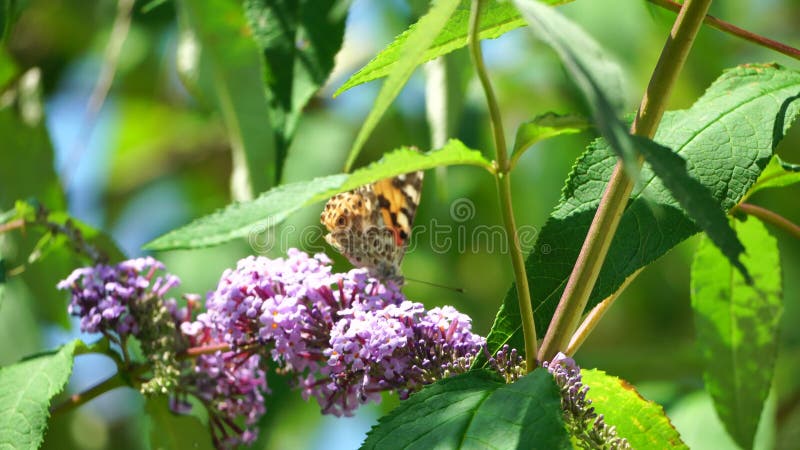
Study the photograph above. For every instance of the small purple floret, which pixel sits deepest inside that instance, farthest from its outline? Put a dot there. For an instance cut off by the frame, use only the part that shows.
(102, 296)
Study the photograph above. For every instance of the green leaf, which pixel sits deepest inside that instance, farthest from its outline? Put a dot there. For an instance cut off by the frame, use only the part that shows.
(269, 209)
(778, 173)
(726, 138)
(695, 199)
(598, 77)
(546, 126)
(218, 61)
(171, 431)
(643, 423)
(26, 389)
(299, 40)
(8, 68)
(411, 56)
(474, 410)
(497, 18)
(737, 327)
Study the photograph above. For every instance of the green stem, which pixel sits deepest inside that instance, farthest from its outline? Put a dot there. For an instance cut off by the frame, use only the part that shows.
(116, 380)
(615, 198)
(593, 318)
(194, 352)
(502, 177)
(732, 29)
(79, 399)
(771, 217)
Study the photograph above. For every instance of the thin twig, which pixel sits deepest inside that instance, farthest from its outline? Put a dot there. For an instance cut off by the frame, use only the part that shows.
(75, 400)
(732, 29)
(119, 32)
(502, 177)
(72, 233)
(771, 217)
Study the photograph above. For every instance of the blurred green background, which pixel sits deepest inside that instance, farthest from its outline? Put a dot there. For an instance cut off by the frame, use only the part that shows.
(157, 157)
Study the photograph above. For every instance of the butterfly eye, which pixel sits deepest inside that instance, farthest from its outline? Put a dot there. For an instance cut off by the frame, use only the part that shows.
(341, 221)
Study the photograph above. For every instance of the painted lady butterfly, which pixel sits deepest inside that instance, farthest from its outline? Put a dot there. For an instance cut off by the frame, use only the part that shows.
(371, 225)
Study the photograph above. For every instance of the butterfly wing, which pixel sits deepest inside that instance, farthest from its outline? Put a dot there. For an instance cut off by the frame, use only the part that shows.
(398, 198)
(371, 225)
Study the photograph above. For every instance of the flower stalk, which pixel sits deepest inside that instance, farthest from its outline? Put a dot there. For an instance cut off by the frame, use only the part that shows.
(502, 177)
(615, 198)
(76, 400)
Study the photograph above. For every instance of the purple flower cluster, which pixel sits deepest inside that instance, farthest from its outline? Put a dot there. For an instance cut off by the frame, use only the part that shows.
(346, 337)
(583, 423)
(508, 363)
(103, 296)
(232, 387)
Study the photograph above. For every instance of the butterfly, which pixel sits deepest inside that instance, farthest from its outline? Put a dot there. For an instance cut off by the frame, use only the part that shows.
(371, 225)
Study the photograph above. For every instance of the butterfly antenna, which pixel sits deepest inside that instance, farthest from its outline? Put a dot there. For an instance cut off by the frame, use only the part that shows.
(449, 288)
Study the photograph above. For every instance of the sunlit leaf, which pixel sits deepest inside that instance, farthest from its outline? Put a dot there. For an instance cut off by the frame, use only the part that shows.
(601, 81)
(778, 173)
(475, 410)
(411, 55)
(695, 199)
(249, 219)
(737, 327)
(498, 17)
(546, 126)
(726, 138)
(643, 423)
(26, 389)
